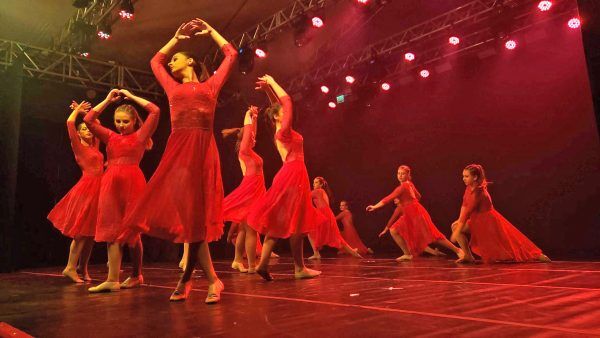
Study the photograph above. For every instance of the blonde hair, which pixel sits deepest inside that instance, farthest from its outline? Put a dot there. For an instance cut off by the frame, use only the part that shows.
(131, 111)
(407, 169)
(477, 170)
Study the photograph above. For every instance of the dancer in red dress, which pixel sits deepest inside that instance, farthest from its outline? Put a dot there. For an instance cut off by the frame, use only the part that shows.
(238, 203)
(285, 211)
(75, 214)
(123, 182)
(349, 232)
(326, 233)
(493, 238)
(183, 201)
(414, 230)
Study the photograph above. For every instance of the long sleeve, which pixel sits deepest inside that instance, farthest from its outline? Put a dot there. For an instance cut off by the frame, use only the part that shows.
(397, 213)
(217, 81)
(245, 145)
(97, 129)
(162, 76)
(74, 137)
(149, 126)
(395, 194)
(288, 115)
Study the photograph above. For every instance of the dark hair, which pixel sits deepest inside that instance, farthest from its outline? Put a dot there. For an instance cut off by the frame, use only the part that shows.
(477, 170)
(199, 67)
(129, 109)
(80, 125)
(239, 134)
(347, 204)
(325, 186)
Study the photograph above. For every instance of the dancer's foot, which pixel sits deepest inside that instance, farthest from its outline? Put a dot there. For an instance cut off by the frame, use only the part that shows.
(86, 278)
(133, 282)
(438, 253)
(355, 253)
(544, 259)
(105, 287)
(72, 275)
(264, 274)
(214, 292)
(251, 270)
(315, 256)
(274, 255)
(238, 266)
(404, 258)
(182, 264)
(182, 291)
(370, 251)
(465, 259)
(306, 273)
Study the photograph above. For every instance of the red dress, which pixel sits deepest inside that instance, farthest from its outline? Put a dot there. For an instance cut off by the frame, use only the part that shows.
(415, 225)
(183, 200)
(237, 204)
(75, 214)
(350, 234)
(494, 238)
(286, 208)
(123, 182)
(326, 233)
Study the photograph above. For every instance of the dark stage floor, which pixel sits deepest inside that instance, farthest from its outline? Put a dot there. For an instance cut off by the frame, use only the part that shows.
(429, 297)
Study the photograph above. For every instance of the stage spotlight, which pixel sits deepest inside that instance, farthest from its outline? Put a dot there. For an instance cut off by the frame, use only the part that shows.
(424, 73)
(81, 3)
(127, 10)
(574, 23)
(454, 40)
(261, 53)
(385, 86)
(332, 104)
(317, 22)
(544, 5)
(362, 2)
(245, 59)
(325, 89)
(350, 79)
(104, 31)
(409, 56)
(510, 44)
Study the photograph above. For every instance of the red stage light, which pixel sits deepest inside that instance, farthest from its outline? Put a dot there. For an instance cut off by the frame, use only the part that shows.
(409, 56)
(574, 23)
(510, 44)
(260, 53)
(325, 89)
(103, 35)
(454, 40)
(385, 86)
(362, 2)
(544, 5)
(424, 73)
(350, 79)
(317, 22)
(332, 104)
(125, 15)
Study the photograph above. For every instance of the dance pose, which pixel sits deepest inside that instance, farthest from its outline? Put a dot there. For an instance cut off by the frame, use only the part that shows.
(123, 182)
(237, 204)
(326, 233)
(183, 201)
(493, 238)
(349, 232)
(76, 213)
(414, 230)
(285, 211)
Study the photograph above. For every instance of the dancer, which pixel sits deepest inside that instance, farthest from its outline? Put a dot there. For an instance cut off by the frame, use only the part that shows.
(237, 204)
(285, 211)
(414, 230)
(183, 201)
(123, 182)
(395, 216)
(493, 238)
(75, 214)
(349, 232)
(326, 233)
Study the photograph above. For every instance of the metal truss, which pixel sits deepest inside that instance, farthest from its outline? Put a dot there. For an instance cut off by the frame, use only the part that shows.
(471, 12)
(51, 65)
(270, 25)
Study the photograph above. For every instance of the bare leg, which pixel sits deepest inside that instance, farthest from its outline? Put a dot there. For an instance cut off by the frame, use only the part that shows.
(185, 282)
(215, 286)
(70, 270)
(402, 244)
(137, 255)
(250, 245)
(183, 261)
(263, 266)
(300, 270)
(84, 258)
(446, 244)
(316, 253)
(351, 251)
(240, 243)
(115, 254)
(463, 242)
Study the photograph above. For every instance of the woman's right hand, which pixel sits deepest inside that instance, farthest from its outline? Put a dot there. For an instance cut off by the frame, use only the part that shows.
(184, 31)
(82, 107)
(113, 95)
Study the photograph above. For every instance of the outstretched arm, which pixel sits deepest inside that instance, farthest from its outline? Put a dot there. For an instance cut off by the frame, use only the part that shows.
(386, 199)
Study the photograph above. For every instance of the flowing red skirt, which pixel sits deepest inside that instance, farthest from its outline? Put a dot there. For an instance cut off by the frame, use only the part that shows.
(237, 204)
(417, 228)
(494, 238)
(121, 187)
(183, 199)
(76, 214)
(327, 233)
(286, 208)
(353, 239)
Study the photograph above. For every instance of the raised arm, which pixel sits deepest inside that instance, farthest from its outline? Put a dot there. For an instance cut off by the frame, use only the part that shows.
(78, 108)
(90, 118)
(249, 130)
(151, 122)
(284, 99)
(159, 60)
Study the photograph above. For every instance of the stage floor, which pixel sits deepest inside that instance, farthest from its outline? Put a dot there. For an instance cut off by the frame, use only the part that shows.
(429, 297)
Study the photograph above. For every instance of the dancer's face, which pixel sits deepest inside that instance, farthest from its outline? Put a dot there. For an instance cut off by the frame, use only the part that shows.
(85, 134)
(343, 206)
(468, 178)
(402, 175)
(317, 184)
(179, 63)
(124, 123)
